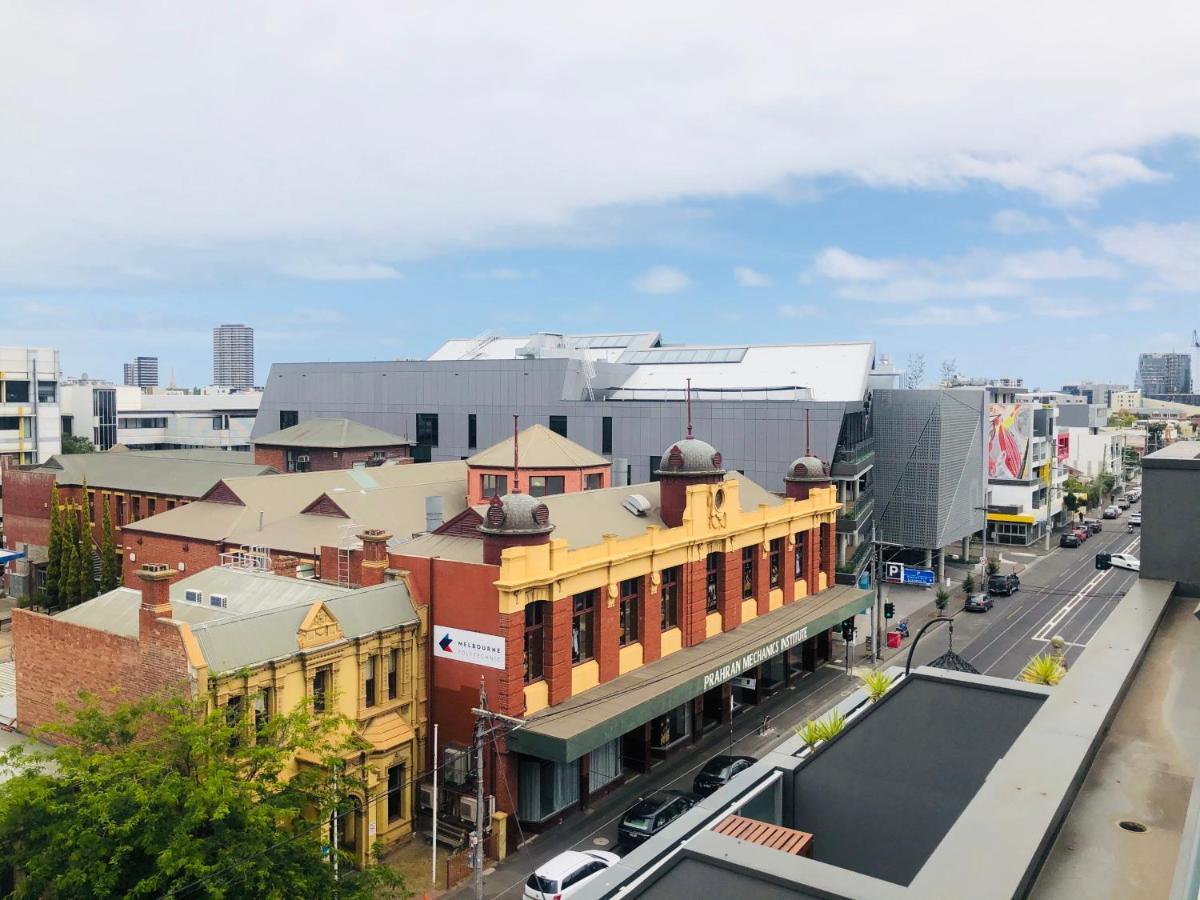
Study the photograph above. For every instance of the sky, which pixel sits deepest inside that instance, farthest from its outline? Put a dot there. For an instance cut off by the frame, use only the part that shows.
(1014, 187)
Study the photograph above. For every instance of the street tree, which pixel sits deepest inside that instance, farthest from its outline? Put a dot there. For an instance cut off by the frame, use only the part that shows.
(163, 798)
(1122, 418)
(941, 599)
(110, 573)
(54, 550)
(87, 581)
(72, 443)
(949, 371)
(993, 567)
(968, 584)
(914, 372)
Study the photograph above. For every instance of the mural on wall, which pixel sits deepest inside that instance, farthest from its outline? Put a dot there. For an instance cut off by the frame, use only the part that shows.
(1008, 440)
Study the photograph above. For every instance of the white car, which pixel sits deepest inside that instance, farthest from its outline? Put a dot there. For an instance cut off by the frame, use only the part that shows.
(1135, 519)
(1125, 561)
(567, 873)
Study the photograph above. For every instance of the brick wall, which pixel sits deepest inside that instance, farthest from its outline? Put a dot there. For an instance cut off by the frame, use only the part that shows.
(695, 601)
(327, 460)
(27, 508)
(168, 550)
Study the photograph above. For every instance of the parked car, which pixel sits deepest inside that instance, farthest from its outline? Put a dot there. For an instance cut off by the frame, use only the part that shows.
(1069, 539)
(1095, 525)
(1123, 503)
(1135, 519)
(718, 771)
(650, 815)
(567, 873)
(1125, 561)
(1005, 585)
(1082, 532)
(1111, 512)
(979, 603)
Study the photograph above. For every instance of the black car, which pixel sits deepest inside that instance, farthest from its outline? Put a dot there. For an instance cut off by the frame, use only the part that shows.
(1003, 585)
(979, 603)
(1069, 539)
(650, 815)
(1095, 525)
(717, 772)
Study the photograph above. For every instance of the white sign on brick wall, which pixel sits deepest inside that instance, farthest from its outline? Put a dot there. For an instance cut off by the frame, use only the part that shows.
(473, 647)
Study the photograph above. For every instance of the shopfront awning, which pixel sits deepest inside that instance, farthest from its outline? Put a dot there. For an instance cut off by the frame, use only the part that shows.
(7, 556)
(565, 732)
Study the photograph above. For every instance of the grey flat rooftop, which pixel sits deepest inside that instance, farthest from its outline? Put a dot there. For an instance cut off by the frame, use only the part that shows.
(1170, 456)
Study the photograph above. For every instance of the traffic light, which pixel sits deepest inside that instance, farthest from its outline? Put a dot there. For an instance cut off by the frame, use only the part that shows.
(889, 610)
(1103, 560)
(848, 630)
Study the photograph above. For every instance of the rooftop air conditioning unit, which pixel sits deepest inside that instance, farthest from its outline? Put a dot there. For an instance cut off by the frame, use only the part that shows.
(426, 796)
(303, 458)
(637, 504)
(467, 807)
(218, 600)
(193, 596)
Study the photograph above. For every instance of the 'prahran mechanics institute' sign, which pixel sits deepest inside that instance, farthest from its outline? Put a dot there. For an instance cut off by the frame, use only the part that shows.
(754, 657)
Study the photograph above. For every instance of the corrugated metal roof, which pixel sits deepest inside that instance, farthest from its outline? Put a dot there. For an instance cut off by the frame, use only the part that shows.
(447, 546)
(335, 434)
(541, 448)
(151, 473)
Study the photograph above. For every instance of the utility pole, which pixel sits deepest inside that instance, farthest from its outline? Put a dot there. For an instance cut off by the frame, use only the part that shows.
(877, 554)
(486, 721)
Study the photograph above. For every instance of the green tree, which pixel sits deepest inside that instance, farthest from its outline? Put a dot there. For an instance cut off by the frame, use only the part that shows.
(1121, 419)
(941, 599)
(993, 567)
(68, 595)
(1106, 482)
(110, 573)
(968, 584)
(75, 444)
(87, 579)
(161, 799)
(54, 550)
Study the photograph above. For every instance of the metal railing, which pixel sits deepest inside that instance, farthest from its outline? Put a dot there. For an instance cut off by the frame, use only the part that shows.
(856, 452)
(858, 507)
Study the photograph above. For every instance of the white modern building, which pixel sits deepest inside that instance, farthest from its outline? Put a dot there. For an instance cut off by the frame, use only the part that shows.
(1095, 451)
(1025, 477)
(29, 411)
(111, 414)
(233, 356)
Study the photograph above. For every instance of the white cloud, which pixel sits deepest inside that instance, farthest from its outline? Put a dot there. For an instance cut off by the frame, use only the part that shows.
(976, 276)
(1170, 251)
(661, 280)
(958, 316)
(1066, 308)
(1141, 304)
(338, 131)
(799, 311)
(320, 270)
(1015, 221)
(751, 278)
(497, 275)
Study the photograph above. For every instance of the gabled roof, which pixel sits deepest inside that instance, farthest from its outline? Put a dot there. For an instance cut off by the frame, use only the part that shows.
(541, 448)
(331, 434)
(179, 475)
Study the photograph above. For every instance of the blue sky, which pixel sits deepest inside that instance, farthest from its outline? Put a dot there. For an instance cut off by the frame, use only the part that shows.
(361, 186)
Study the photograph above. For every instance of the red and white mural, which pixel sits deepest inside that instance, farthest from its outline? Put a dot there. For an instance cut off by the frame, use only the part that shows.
(1009, 439)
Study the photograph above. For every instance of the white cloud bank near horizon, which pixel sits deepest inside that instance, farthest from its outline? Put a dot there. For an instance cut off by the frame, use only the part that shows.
(143, 141)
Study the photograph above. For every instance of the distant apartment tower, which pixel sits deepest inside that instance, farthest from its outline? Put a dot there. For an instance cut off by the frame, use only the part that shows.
(1159, 374)
(233, 356)
(142, 372)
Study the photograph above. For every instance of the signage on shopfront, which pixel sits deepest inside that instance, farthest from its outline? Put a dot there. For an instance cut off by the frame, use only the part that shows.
(761, 654)
(747, 683)
(469, 646)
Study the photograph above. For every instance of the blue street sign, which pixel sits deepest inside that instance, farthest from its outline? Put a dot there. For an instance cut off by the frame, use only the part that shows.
(919, 576)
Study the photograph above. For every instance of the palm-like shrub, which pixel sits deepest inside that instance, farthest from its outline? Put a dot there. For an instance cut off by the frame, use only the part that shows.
(1043, 669)
(877, 684)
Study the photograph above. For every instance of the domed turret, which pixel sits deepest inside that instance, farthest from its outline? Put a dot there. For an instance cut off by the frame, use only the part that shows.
(804, 474)
(691, 456)
(514, 520)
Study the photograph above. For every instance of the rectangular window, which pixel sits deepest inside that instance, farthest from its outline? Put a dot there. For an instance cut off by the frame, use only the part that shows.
(655, 464)
(494, 485)
(216, 423)
(823, 543)
(583, 618)
(670, 596)
(262, 709)
(472, 432)
(288, 418)
(150, 504)
(10, 423)
(137, 508)
(558, 424)
(799, 554)
(16, 391)
(321, 683)
(748, 570)
(594, 481)
(170, 505)
(92, 507)
(369, 681)
(535, 644)
(631, 598)
(776, 561)
(606, 435)
(68, 425)
(393, 665)
(121, 509)
(395, 797)
(546, 485)
(47, 391)
(712, 582)
(427, 429)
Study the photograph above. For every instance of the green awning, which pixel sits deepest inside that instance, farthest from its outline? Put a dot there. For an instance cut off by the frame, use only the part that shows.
(567, 731)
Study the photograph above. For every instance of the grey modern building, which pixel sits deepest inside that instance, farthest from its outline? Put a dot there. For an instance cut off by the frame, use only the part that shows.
(929, 466)
(1171, 514)
(1160, 374)
(233, 356)
(1099, 393)
(142, 372)
(621, 395)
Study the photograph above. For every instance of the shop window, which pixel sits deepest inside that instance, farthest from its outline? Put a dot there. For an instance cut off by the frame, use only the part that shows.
(670, 728)
(712, 582)
(321, 683)
(748, 569)
(776, 560)
(798, 556)
(369, 681)
(583, 619)
(395, 789)
(670, 596)
(545, 788)
(631, 597)
(535, 641)
(546, 485)
(494, 485)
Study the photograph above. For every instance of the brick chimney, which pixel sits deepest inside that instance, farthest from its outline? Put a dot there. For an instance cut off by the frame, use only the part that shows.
(375, 555)
(285, 566)
(156, 596)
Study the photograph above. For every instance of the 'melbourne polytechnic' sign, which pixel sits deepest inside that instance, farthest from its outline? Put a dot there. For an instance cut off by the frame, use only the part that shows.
(468, 646)
(754, 657)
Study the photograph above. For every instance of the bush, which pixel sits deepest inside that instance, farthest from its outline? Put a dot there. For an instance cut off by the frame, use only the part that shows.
(877, 684)
(993, 567)
(941, 599)
(968, 584)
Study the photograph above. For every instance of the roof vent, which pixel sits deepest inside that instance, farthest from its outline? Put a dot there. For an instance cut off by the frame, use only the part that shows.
(637, 504)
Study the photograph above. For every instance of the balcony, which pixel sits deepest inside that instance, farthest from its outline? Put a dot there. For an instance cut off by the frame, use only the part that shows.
(854, 512)
(848, 571)
(850, 461)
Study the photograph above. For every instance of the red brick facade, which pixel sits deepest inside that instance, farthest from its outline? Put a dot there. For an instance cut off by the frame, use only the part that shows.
(324, 459)
(169, 550)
